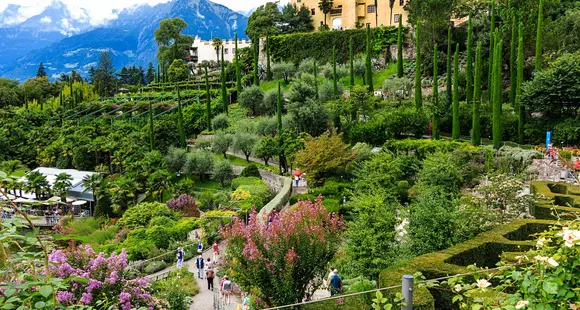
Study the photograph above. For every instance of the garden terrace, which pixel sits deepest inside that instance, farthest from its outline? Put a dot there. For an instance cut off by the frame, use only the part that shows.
(565, 201)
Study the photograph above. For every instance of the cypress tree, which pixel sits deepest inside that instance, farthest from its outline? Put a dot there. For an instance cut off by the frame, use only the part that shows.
(455, 133)
(224, 91)
(238, 70)
(180, 121)
(60, 98)
(369, 65)
(279, 109)
(513, 69)
(469, 66)
(256, 69)
(400, 49)
(316, 80)
(475, 121)
(268, 68)
(497, 114)
(418, 96)
(539, 37)
(72, 99)
(334, 77)
(207, 100)
(491, 52)
(449, 69)
(151, 130)
(435, 127)
(351, 60)
(157, 74)
(520, 80)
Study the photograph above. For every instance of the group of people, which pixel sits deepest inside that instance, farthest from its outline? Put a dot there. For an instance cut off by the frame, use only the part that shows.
(8, 214)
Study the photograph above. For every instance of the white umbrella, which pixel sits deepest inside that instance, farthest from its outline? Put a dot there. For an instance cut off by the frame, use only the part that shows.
(20, 199)
(79, 203)
(70, 199)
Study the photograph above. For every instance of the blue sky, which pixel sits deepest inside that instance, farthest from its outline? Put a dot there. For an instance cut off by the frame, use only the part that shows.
(102, 10)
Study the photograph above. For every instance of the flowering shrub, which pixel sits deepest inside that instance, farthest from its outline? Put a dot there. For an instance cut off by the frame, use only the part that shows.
(549, 279)
(185, 204)
(280, 259)
(240, 194)
(99, 280)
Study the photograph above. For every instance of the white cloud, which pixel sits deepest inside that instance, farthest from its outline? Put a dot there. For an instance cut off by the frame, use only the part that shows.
(46, 20)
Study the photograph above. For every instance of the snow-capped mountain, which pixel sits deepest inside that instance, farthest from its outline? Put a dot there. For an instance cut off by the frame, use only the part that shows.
(129, 37)
(10, 16)
(58, 17)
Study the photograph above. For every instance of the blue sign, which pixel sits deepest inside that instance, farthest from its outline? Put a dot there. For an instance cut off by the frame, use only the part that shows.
(548, 139)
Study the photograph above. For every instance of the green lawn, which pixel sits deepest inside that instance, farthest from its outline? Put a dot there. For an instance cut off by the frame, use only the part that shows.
(18, 174)
(266, 86)
(379, 77)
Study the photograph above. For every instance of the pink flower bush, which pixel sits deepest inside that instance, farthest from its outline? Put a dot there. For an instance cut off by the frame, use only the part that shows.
(103, 280)
(288, 252)
(185, 204)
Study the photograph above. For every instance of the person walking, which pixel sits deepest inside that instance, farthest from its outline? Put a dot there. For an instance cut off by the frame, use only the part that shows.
(335, 283)
(210, 275)
(208, 264)
(199, 247)
(227, 289)
(216, 251)
(179, 257)
(199, 264)
(329, 278)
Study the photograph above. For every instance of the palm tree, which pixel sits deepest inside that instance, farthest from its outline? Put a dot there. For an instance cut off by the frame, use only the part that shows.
(217, 43)
(36, 183)
(94, 182)
(123, 190)
(376, 13)
(325, 6)
(391, 5)
(11, 166)
(61, 185)
(158, 183)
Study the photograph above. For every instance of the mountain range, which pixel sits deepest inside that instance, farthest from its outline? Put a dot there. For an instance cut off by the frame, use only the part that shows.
(65, 40)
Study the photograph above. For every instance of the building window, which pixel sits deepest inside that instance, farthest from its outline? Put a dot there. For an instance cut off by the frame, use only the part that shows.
(401, 2)
(313, 11)
(225, 51)
(371, 9)
(397, 17)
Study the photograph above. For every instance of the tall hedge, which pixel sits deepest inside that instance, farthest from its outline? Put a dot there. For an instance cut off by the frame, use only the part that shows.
(513, 55)
(295, 47)
(520, 80)
(400, 49)
(475, 120)
(435, 124)
(539, 37)
(224, 91)
(497, 93)
(455, 133)
(469, 65)
(368, 60)
(491, 52)
(238, 69)
(418, 95)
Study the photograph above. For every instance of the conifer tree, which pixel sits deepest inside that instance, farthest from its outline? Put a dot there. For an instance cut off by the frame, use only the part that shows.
(520, 80)
(256, 69)
(279, 109)
(418, 95)
(513, 69)
(469, 65)
(268, 68)
(435, 128)
(491, 52)
(180, 121)
(455, 133)
(369, 64)
(60, 98)
(238, 70)
(224, 91)
(207, 100)
(41, 72)
(539, 37)
(70, 84)
(449, 71)
(497, 91)
(151, 130)
(316, 80)
(334, 77)
(400, 49)
(475, 121)
(351, 60)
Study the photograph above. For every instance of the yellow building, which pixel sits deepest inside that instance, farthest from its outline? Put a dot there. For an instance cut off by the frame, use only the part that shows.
(347, 14)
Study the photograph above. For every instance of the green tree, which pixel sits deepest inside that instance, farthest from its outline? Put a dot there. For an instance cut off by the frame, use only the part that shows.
(224, 91)
(296, 19)
(266, 149)
(263, 21)
(151, 129)
(37, 183)
(150, 76)
(238, 69)
(223, 172)
(368, 61)
(456, 125)
(95, 182)
(400, 49)
(222, 143)
(492, 44)
(497, 95)
(469, 65)
(325, 6)
(207, 100)
(252, 98)
(178, 71)
(268, 67)
(180, 122)
(539, 37)
(435, 127)
(449, 68)
(351, 62)
(434, 16)
(256, 67)
(175, 159)
(244, 142)
(520, 80)
(513, 56)
(158, 183)
(62, 183)
(199, 163)
(284, 70)
(105, 75)
(172, 43)
(217, 46)
(418, 95)
(41, 72)
(475, 121)
(439, 169)
(334, 77)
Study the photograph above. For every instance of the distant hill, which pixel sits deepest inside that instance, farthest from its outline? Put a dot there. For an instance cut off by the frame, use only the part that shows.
(75, 45)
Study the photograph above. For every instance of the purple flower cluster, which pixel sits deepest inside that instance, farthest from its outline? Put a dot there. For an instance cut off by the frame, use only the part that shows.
(104, 277)
(184, 203)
